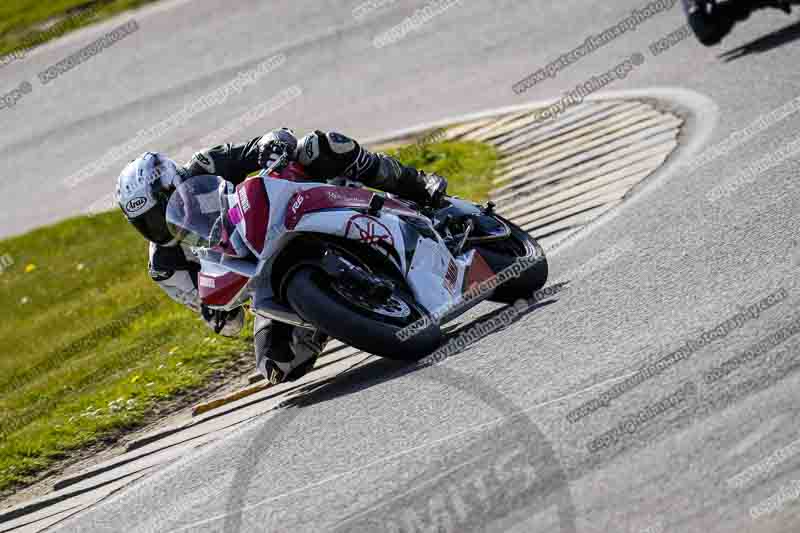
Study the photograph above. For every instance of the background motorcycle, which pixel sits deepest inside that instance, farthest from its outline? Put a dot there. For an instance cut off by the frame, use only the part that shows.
(711, 20)
(357, 265)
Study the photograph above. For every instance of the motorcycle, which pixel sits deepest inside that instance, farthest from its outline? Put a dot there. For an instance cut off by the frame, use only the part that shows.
(711, 20)
(355, 264)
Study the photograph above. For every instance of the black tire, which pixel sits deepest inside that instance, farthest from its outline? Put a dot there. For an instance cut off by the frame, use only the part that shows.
(503, 254)
(708, 27)
(311, 296)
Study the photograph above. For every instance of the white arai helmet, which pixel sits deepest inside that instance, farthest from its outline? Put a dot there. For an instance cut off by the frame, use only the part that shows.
(143, 191)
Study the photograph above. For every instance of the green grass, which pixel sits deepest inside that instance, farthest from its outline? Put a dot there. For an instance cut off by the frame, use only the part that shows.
(21, 20)
(84, 328)
(89, 345)
(468, 166)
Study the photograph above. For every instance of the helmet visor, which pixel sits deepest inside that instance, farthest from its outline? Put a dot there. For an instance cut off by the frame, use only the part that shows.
(153, 226)
(194, 212)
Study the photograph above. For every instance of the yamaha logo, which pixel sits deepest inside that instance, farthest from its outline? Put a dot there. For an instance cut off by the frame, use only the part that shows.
(136, 204)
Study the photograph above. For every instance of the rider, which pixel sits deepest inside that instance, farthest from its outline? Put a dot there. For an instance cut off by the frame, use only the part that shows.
(283, 352)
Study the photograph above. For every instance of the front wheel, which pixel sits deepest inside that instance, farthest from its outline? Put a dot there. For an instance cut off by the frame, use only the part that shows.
(370, 327)
(519, 246)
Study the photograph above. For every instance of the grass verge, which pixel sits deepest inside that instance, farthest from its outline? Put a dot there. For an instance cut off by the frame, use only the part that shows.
(28, 23)
(469, 166)
(89, 345)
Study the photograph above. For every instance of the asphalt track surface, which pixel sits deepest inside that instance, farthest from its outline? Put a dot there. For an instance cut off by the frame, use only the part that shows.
(480, 441)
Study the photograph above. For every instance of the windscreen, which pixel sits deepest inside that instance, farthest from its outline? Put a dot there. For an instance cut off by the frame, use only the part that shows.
(194, 211)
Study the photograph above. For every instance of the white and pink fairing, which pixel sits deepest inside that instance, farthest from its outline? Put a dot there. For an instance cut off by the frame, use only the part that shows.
(269, 211)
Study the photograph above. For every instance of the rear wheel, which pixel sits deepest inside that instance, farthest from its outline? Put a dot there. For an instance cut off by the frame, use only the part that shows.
(502, 254)
(346, 315)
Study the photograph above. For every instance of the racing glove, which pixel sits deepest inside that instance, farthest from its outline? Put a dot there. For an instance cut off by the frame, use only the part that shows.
(273, 144)
(436, 188)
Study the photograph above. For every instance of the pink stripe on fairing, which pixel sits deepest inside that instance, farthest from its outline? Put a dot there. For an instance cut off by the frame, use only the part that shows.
(235, 215)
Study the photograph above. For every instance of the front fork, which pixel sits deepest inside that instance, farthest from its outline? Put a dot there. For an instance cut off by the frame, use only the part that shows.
(375, 289)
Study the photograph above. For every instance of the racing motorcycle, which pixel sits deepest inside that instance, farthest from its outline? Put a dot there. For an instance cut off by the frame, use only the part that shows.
(711, 20)
(355, 264)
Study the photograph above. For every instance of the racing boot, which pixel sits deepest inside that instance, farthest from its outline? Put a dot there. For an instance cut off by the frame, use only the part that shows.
(284, 352)
(390, 175)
